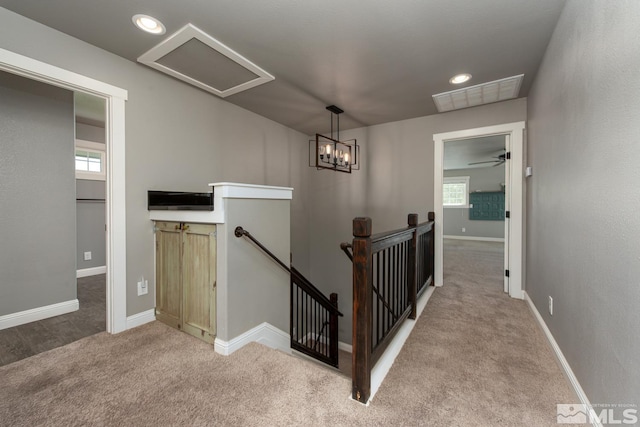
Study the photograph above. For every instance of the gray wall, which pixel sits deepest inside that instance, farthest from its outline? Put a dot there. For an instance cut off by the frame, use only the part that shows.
(583, 228)
(396, 178)
(90, 223)
(37, 193)
(177, 138)
(257, 287)
(90, 132)
(480, 179)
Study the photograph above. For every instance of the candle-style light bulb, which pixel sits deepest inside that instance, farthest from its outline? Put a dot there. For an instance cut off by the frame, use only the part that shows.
(328, 151)
(346, 159)
(321, 150)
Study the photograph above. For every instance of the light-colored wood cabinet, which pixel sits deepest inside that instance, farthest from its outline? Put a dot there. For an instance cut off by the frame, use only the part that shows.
(186, 277)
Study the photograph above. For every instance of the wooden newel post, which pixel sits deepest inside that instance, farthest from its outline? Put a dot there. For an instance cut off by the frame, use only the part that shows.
(412, 222)
(333, 330)
(362, 301)
(432, 251)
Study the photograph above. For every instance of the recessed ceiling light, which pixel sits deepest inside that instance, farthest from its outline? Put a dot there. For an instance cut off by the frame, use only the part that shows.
(149, 24)
(460, 78)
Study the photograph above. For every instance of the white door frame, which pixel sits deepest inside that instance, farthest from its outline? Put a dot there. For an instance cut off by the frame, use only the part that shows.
(115, 183)
(515, 131)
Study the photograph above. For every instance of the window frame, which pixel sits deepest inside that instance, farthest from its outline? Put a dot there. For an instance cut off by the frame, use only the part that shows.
(456, 180)
(92, 147)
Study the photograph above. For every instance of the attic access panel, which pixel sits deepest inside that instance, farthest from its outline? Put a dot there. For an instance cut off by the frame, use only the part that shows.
(195, 57)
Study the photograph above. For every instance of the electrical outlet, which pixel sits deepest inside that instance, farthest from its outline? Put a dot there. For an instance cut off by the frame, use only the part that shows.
(464, 230)
(143, 287)
(550, 305)
(87, 256)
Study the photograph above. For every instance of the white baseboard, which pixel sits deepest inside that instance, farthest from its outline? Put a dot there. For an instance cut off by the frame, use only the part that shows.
(345, 347)
(381, 369)
(141, 318)
(264, 333)
(93, 271)
(564, 364)
(479, 239)
(39, 313)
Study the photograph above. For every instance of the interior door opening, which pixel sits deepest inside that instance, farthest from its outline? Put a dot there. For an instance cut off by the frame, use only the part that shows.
(115, 99)
(508, 151)
(475, 192)
(90, 170)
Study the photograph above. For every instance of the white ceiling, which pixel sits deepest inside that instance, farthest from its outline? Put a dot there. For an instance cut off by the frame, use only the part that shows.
(380, 61)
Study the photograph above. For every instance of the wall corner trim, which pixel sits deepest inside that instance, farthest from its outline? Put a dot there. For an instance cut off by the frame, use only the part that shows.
(564, 364)
(265, 334)
(38, 313)
(93, 271)
(141, 318)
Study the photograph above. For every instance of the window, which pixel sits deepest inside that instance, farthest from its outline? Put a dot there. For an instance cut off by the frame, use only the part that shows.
(455, 192)
(90, 160)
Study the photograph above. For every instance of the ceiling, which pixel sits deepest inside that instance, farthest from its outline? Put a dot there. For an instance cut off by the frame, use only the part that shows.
(458, 154)
(379, 63)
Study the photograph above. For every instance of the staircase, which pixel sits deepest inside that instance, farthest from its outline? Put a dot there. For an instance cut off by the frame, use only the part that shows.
(313, 316)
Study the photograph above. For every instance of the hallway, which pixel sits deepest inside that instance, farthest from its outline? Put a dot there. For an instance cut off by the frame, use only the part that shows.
(479, 355)
(475, 357)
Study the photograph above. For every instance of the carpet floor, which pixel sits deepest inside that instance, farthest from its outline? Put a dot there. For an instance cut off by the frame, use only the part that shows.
(475, 358)
(32, 338)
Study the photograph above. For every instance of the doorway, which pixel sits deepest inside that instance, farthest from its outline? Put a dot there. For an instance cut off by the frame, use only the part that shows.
(90, 174)
(474, 194)
(513, 198)
(115, 173)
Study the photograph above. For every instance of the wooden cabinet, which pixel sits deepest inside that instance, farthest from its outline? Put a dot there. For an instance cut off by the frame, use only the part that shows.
(186, 277)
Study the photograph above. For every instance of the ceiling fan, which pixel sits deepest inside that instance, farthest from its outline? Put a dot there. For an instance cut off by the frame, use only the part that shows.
(499, 160)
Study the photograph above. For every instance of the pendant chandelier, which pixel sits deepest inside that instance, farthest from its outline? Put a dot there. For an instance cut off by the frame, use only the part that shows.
(331, 153)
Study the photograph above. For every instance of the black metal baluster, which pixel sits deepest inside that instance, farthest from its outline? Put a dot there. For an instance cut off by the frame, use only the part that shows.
(376, 284)
(394, 296)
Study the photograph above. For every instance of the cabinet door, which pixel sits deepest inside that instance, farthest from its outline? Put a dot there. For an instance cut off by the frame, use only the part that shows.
(169, 273)
(199, 281)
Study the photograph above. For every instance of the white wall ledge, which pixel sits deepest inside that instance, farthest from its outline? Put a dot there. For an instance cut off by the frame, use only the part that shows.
(221, 191)
(233, 190)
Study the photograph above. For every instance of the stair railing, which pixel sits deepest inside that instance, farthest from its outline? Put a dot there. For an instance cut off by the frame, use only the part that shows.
(396, 267)
(313, 316)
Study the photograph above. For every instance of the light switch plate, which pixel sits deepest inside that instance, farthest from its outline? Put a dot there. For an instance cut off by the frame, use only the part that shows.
(87, 256)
